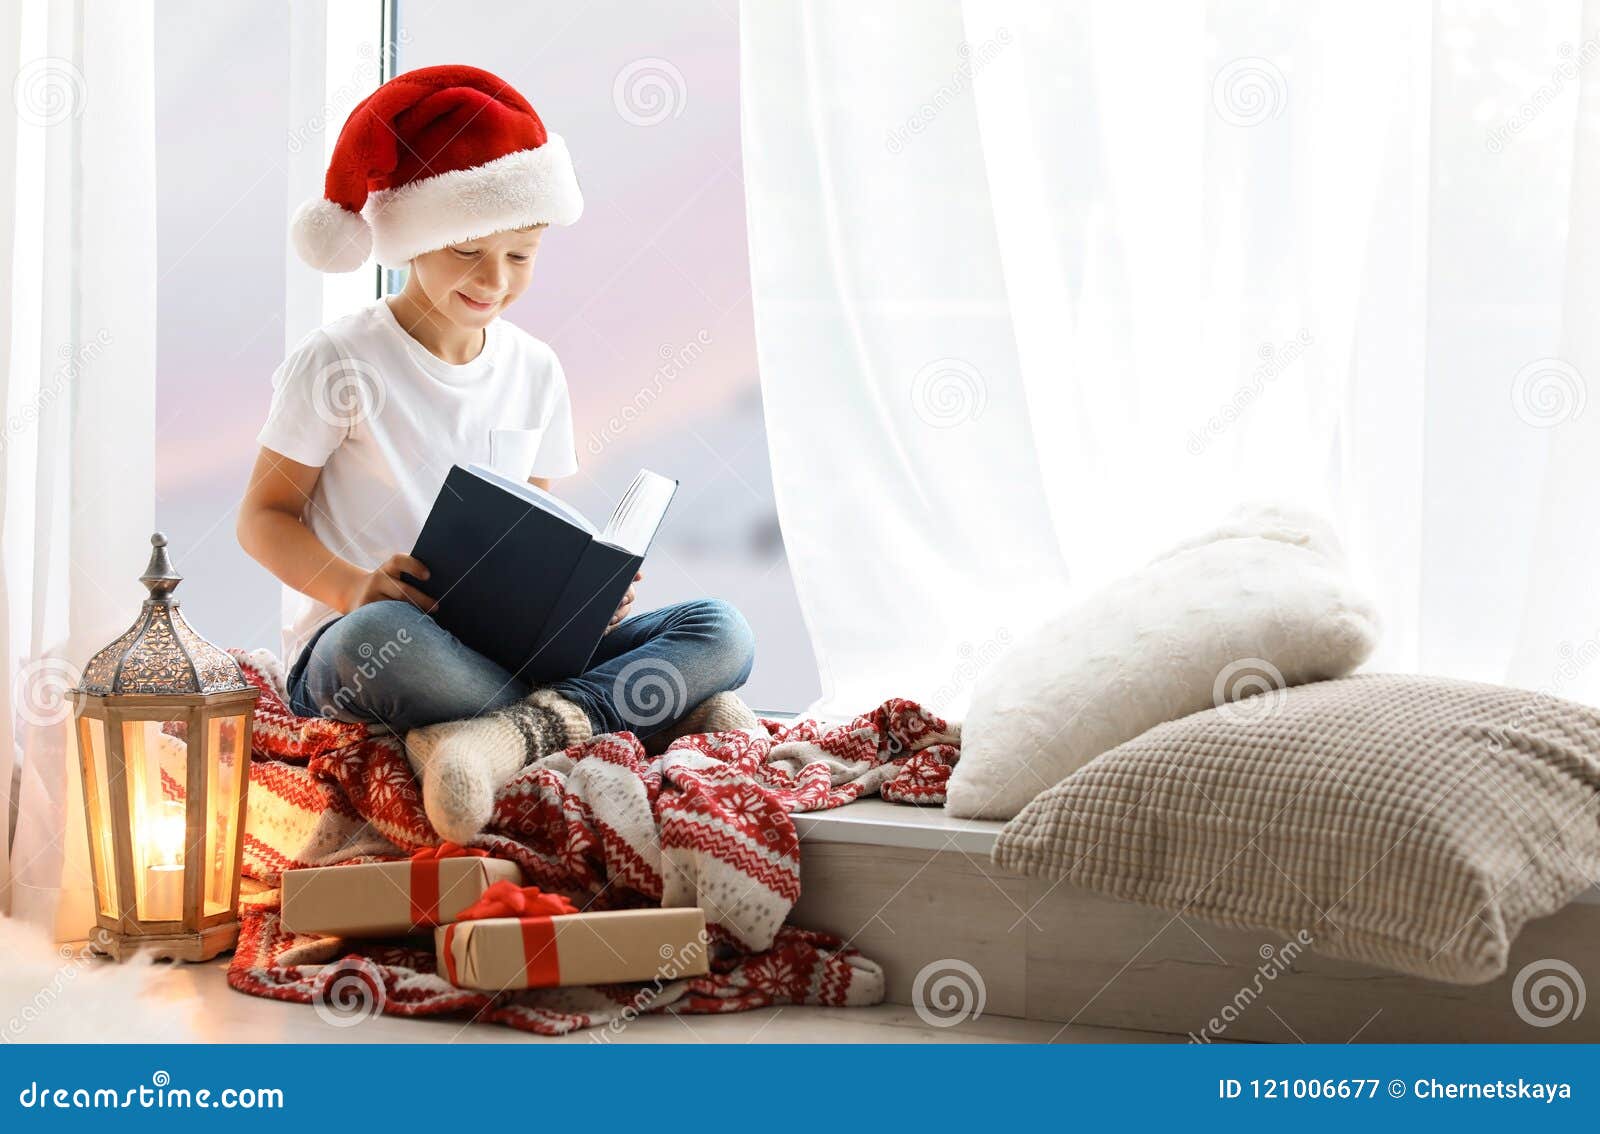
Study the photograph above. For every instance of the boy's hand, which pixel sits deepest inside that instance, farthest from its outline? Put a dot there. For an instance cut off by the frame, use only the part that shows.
(627, 602)
(385, 583)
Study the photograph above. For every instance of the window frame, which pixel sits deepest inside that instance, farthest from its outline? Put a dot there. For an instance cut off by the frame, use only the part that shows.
(339, 53)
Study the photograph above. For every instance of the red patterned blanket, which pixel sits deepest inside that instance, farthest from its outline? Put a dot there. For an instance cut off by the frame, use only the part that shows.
(707, 823)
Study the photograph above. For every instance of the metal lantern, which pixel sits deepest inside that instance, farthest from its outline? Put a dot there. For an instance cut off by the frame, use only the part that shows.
(163, 721)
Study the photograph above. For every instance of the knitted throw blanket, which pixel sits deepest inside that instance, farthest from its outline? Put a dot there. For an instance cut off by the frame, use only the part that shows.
(706, 823)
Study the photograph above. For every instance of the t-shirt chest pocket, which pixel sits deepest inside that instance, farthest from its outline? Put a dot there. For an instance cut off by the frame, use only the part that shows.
(512, 452)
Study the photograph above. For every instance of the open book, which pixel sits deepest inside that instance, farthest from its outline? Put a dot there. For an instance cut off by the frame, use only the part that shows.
(524, 578)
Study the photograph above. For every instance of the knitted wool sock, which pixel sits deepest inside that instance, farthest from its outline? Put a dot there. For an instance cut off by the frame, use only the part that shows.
(463, 763)
(720, 712)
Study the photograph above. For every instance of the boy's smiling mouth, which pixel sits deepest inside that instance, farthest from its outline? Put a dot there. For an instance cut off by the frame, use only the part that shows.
(476, 304)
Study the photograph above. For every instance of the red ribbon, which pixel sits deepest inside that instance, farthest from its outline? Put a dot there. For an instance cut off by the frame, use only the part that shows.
(507, 899)
(533, 909)
(449, 850)
(425, 880)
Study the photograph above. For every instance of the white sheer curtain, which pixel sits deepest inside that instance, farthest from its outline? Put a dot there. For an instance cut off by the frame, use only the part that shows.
(1039, 288)
(77, 330)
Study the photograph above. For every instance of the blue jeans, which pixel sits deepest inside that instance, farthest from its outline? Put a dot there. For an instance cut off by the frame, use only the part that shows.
(387, 664)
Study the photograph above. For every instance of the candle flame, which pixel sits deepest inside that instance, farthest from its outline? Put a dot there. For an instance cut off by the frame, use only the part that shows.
(164, 836)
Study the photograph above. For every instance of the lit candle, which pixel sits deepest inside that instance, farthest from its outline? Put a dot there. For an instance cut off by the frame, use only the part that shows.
(162, 899)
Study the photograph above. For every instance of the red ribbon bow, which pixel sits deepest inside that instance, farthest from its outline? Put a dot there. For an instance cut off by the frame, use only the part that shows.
(425, 880)
(448, 850)
(533, 909)
(507, 899)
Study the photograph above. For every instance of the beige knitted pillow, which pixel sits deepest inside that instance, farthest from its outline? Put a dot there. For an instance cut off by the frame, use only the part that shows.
(1410, 822)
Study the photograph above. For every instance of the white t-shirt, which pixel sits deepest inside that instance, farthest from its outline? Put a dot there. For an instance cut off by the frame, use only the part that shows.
(385, 419)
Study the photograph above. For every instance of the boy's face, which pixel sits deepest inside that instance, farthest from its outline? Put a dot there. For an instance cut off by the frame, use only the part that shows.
(471, 283)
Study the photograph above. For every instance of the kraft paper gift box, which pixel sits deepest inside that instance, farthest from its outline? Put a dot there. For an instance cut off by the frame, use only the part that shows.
(547, 950)
(386, 899)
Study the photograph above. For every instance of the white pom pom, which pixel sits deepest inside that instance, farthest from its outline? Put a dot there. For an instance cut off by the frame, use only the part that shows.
(329, 237)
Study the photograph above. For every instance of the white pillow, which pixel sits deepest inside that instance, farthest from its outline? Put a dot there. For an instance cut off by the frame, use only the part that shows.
(1272, 520)
(1263, 605)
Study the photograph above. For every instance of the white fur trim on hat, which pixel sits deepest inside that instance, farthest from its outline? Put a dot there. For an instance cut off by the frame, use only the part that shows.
(329, 237)
(537, 186)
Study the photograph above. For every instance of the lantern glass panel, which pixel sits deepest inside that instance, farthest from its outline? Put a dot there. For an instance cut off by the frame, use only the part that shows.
(102, 858)
(157, 765)
(224, 750)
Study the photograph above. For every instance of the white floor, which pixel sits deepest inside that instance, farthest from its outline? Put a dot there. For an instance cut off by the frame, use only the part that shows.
(218, 1014)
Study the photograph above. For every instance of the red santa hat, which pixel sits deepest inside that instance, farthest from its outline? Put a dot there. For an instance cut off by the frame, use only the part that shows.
(433, 157)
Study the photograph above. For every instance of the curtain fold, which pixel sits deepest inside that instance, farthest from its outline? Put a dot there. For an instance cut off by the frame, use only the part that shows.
(77, 327)
(1561, 610)
(897, 421)
(1339, 254)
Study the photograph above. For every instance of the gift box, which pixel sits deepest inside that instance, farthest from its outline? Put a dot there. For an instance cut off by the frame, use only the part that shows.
(384, 899)
(540, 941)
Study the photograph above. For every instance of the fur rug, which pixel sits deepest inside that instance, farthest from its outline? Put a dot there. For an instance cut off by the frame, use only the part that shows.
(53, 993)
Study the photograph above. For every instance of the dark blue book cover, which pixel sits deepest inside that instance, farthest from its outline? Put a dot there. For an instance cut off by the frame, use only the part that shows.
(523, 578)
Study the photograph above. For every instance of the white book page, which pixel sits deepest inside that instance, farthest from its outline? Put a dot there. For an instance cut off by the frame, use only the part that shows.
(534, 495)
(639, 513)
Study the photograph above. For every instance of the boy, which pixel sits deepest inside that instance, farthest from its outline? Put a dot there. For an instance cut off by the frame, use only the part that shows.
(448, 171)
